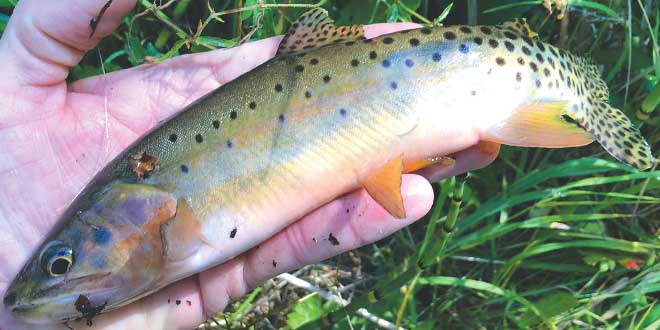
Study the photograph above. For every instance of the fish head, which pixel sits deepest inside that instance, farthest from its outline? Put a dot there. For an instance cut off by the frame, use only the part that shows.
(105, 251)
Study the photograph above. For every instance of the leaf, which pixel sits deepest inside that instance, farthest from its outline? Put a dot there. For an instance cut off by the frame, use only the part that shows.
(7, 3)
(3, 21)
(549, 306)
(216, 43)
(306, 310)
(443, 15)
(135, 50)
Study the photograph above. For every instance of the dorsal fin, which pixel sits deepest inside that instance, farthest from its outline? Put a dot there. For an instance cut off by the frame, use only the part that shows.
(520, 25)
(315, 29)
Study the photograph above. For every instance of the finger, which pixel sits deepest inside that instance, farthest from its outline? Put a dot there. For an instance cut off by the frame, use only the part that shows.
(44, 38)
(344, 224)
(170, 86)
(475, 157)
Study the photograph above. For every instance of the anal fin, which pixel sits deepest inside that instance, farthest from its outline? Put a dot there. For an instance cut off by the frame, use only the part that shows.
(539, 124)
(384, 186)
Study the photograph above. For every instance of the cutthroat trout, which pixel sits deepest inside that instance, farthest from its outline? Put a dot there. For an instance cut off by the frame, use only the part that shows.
(333, 112)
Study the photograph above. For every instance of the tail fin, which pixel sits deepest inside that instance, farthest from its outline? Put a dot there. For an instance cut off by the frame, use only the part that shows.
(614, 131)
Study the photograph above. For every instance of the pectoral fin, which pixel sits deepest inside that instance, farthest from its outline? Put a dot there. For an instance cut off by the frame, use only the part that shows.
(384, 186)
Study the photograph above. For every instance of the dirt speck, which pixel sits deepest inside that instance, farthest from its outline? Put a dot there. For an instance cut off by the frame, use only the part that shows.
(333, 240)
(143, 164)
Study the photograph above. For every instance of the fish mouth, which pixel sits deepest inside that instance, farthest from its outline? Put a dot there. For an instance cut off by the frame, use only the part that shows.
(55, 308)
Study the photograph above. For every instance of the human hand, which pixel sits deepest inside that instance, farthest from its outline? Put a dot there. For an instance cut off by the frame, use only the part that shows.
(55, 136)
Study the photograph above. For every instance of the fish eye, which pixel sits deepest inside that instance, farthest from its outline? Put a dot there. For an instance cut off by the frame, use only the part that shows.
(56, 260)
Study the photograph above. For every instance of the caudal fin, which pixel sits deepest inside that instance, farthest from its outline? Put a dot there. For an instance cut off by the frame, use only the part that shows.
(614, 131)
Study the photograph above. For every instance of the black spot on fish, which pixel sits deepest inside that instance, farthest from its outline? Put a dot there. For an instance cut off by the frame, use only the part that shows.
(493, 43)
(528, 41)
(173, 138)
(546, 72)
(533, 66)
(509, 46)
(409, 63)
(463, 48)
(538, 83)
(278, 88)
(300, 68)
(308, 94)
(373, 55)
(355, 62)
(388, 40)
(333, 240)
(232, 234)
(510, 35)
(281, 119)
(393, 85)
(518, 76)
(252, 105)
(486, 30)
(314, 61)
(229, 144)
(436, 57)
(499, 61)
(326, 79)
(184, 169)
(540, 58)
(233, 115)
(216, 124)
(478, 41)
(199, 138)
(526, 51)
(465, 29)
(414, 42)
(521, 61)
(473, 93)
(342, 112)
(540, 45)
(386, 63)
(449, 35)
(350, 43)
(425, 31)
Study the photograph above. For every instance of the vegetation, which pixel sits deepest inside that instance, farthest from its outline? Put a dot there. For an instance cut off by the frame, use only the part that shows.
(544, 239)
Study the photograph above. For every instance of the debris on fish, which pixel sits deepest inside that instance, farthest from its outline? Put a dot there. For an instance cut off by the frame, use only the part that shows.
(333, 112)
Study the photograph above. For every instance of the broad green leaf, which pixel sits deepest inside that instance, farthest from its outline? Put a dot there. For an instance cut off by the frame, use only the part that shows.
(549, 306)
(306, 310)
(8, 3)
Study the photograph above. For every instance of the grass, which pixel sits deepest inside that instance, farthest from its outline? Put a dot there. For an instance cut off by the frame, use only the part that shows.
(544, 239)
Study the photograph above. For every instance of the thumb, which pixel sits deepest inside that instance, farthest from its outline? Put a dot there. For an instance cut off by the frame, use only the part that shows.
(44, 38)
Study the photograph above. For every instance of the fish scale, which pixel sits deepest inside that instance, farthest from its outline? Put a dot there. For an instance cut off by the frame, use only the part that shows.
(331, 113)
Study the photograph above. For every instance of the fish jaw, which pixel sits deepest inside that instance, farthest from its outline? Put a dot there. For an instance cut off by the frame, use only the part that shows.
(116, 254)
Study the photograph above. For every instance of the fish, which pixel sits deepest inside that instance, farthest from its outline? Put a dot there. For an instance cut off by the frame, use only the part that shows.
(331, 113)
